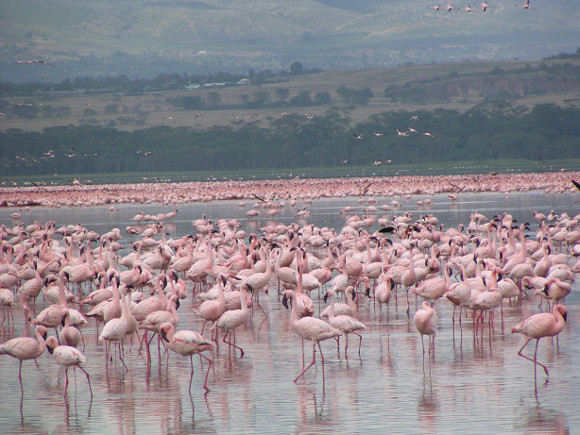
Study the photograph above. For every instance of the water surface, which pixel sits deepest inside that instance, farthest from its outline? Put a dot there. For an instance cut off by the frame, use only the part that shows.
(473, 385)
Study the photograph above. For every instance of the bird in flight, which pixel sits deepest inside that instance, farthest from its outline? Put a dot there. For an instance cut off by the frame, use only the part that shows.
(358, 136)
(401, 133)
(429, 134)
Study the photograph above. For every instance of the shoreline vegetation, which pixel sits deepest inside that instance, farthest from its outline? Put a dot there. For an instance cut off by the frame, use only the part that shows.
(265, 191)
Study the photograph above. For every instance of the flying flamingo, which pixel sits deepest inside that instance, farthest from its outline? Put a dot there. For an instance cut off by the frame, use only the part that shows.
(67, 356)
(24, 348)
(187, 343)
(541, 325)
(310, 328)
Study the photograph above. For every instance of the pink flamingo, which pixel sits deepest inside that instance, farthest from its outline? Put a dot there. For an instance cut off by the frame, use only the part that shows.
(346, 324)
(187, 343)
(23, 348)
(541, 325)
(116, 329)
(211, 310)
(426, 324)
(230, 320)
(310, 328)
(67, 356)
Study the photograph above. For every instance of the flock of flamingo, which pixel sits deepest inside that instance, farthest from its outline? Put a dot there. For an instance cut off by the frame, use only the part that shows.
(80, 275)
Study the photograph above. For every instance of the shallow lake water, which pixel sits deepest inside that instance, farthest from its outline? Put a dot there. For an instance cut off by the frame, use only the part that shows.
(471, 385)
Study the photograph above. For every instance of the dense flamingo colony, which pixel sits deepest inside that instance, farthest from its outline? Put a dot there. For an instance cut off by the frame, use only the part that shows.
(179, 193)
(79, 274)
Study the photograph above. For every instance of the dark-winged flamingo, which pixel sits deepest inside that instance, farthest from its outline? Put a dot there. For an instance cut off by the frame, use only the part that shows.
(541, 325)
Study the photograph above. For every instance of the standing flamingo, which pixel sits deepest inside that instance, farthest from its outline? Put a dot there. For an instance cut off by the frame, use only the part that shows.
(67, 356)
(231, 319)
(426, 324)
(187, 343)
(23, 348)
(310, 328)
(541, 325)
(211, 310)
(346, 324)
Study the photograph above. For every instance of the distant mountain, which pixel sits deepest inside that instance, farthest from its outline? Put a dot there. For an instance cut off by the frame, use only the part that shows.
(140, 38)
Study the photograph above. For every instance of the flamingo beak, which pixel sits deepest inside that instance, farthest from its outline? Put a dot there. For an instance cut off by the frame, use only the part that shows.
(285, 301)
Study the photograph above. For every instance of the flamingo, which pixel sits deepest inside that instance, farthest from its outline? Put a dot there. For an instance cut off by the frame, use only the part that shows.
(426, 324)
(116, 329)
(23, 348)
(383, 295)
(346, 324)
(53, 315)
(230, 320)
(67, 356)
(340, 308)
(187, 343)
(310, 328)
(541, 325)
(69, 335)
(211, 310)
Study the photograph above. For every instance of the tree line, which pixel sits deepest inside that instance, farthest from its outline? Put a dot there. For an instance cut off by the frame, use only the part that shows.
(490, 130)
(162, 82)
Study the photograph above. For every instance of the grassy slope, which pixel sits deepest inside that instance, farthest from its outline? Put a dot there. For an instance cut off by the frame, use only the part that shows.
(474, 77)
(136, 26)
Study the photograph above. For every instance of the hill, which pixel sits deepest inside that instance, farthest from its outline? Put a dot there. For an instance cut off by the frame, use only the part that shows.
(455, 86)
(142, 38)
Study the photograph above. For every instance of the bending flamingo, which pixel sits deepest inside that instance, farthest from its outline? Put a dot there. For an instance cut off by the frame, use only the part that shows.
(187, 343)
(541, 325)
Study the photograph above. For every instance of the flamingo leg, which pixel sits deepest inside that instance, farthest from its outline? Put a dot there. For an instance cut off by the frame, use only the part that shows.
(321, 361)
(208, 369)
(229, 343)
(534, 360)
(88, 380)
(359, 341)
(66, 381)
(312, 363)
(191, 376)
